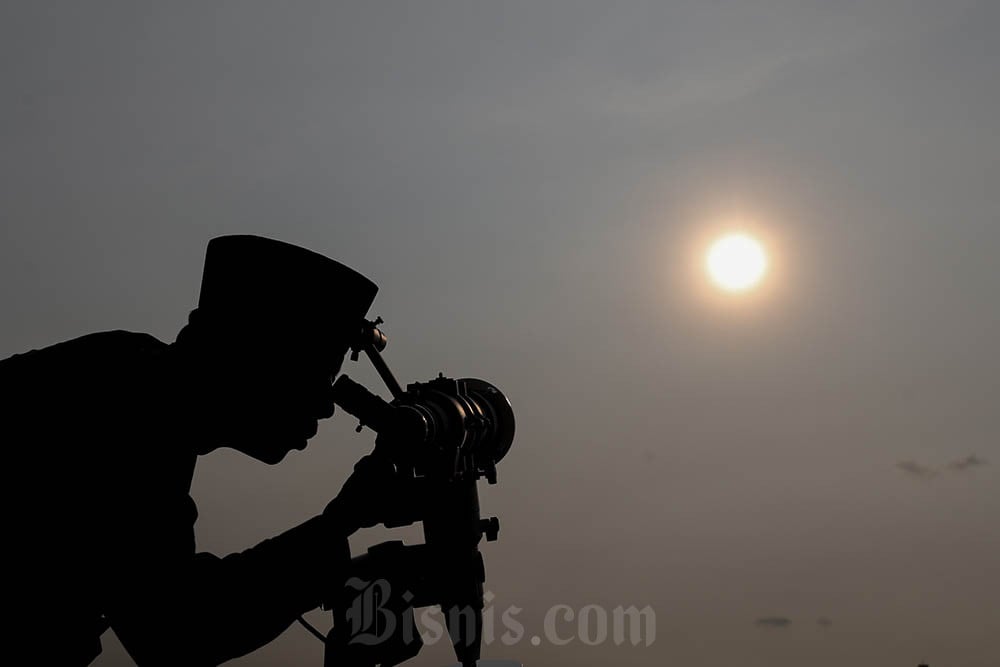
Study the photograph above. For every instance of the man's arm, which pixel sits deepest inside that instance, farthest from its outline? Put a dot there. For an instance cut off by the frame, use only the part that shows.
(204, 610)
(169, 605)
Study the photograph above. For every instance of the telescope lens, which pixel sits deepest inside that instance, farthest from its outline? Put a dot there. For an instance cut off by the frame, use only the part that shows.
(440, 416)
(500, 414)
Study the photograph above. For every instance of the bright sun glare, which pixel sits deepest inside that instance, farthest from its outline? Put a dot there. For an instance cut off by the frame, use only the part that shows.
(736, 262)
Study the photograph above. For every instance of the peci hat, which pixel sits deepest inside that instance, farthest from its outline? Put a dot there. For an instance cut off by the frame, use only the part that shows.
(270, 291)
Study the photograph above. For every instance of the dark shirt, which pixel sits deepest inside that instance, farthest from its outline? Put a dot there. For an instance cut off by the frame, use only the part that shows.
(102, 523)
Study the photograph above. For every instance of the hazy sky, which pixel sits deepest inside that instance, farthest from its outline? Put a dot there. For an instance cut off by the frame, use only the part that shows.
(530, 184)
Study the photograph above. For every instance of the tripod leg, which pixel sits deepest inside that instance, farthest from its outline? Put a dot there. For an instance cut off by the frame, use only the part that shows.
(465, 626)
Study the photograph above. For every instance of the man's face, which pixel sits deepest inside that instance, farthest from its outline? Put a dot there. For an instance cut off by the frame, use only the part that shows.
(274, 405)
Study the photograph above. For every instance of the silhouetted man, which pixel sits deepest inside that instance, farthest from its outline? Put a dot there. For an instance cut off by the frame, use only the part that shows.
(101, 434)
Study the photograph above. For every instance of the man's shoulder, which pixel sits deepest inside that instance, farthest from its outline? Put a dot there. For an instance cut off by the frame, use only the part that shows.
(114, 343)
(92, 355)
(92, 346)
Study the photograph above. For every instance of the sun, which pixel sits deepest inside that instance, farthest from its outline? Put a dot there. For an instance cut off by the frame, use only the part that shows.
(736, 262)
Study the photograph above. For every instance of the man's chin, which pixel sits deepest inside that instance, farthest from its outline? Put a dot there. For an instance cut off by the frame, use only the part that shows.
(271, 455)
(271, 458)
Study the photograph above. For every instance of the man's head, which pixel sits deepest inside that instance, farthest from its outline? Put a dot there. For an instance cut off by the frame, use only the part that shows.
(273, 324)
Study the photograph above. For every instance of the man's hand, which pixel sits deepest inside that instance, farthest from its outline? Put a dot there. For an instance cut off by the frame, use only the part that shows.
(367, 496)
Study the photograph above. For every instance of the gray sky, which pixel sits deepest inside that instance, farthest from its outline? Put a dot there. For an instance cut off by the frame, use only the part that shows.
(529, 183)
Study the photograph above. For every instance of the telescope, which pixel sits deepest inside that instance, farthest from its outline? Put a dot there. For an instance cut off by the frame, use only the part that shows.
(442, 436)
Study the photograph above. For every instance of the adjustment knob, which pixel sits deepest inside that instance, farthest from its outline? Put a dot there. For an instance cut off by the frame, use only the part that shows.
(490, 528)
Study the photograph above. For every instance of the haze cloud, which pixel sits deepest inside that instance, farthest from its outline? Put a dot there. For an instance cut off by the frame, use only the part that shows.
(917, 470)
(967, 463)
(773, 622)
(920, 471)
